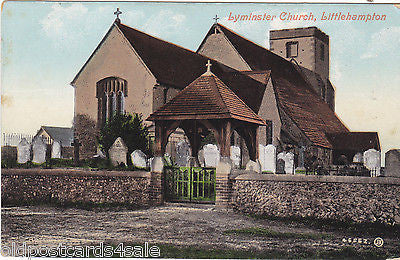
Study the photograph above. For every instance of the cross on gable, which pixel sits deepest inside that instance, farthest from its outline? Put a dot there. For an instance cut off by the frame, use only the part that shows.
(216, 19)
(208, 65)
(117, 13)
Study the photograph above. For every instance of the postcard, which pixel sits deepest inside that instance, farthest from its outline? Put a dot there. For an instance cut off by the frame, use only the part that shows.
(200, 130)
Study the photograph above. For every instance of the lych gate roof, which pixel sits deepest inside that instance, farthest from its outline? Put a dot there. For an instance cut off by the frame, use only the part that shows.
(294, 95)
(206, 98)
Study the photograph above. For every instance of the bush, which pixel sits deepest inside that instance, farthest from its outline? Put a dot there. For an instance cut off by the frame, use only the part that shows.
(86, 131)
(131, 129)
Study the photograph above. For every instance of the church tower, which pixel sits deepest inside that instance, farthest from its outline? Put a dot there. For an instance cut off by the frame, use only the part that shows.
(309, 47)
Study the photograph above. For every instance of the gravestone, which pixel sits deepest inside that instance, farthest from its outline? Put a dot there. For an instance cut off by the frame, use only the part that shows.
(289, 163)
(270, 158)
(211, 155)
(182, 153)
(261, 156)
(280, 166)
(358, 158)
(56, 150)
(139, 159)
(288, 159)
(39, 148)
(23, 151)
(235, 156)
(200, 156)
(392, 163)
(372, 161)
(118, 152)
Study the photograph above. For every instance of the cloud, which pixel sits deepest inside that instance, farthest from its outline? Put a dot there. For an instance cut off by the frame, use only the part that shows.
(165, 24)
(386, 40)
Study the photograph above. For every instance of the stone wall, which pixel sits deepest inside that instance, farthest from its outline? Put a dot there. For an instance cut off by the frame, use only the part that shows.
(344, 198)
(71, 186)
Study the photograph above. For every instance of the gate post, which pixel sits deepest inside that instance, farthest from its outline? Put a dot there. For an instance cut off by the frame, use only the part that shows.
(223, 185)
(156, 187)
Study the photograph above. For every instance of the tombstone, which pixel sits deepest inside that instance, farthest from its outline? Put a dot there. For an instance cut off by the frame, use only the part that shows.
(372, 161)
(280, 166)
(23, 151)
(76, 144)
(301, 158)
(139, 159)
(182, 153)
(211, 155)
(288, 159)
(200, 156)
(392, 163)
(289, 163)
(118, 152)
(56, 150)
(358, 158)
(270, 158)
(261, 156)
(39, 148)
(235, 156)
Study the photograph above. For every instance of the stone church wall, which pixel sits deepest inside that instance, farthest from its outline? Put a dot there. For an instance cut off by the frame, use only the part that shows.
(343, 198)
(63, 186)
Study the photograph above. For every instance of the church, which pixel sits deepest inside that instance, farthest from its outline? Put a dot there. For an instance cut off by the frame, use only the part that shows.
(286, 88)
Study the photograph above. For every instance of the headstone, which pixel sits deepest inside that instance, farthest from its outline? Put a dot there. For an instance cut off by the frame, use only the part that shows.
(372, 161)
(253, 166)
(235, 156)
(200, 156)
(56, 150)
(211, 155)
(39, 148)
(270, 158)
(23, 151)
(118, 152)
(301, 158)
(261, 156)
(392, 163)
(76, 144)
(280, 166)
(182, 153)
(289, 163)
(139, 159)
(358, 158)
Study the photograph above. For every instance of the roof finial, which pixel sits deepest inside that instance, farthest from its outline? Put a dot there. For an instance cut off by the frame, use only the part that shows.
(208, 72)
(117, 13)
(216, 19)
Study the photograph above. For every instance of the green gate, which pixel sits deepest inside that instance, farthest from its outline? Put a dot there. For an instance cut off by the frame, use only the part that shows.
(190, 184)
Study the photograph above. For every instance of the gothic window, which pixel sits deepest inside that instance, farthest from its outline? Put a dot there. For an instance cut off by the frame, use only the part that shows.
(292, 49)
(268, 132)
(111, 93)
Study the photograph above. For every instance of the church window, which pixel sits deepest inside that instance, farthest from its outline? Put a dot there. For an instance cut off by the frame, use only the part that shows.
(268, 132)
(111, 93)
(292, 49)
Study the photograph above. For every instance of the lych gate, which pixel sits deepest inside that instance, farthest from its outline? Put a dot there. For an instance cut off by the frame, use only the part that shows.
(207, 104)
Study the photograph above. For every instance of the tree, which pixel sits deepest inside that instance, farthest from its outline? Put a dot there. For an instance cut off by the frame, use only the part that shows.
(86, 131)
(131, 129)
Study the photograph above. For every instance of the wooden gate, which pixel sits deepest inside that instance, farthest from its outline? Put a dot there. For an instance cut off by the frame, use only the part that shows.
(194, 184)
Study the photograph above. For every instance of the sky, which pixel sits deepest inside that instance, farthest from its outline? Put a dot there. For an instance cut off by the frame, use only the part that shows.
(44, 44)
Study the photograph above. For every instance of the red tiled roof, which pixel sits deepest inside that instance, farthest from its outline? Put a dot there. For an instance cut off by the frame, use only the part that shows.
(295, 96)
(356, 141)
(206, 98)
(177, 66)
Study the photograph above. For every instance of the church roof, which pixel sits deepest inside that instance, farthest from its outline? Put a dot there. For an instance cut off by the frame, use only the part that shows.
(63, 135)
(294, 94)
(206, 98)
(356, 141)
(177, 66)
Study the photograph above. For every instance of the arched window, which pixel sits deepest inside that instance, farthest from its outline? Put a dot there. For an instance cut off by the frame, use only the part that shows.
(111, 93)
